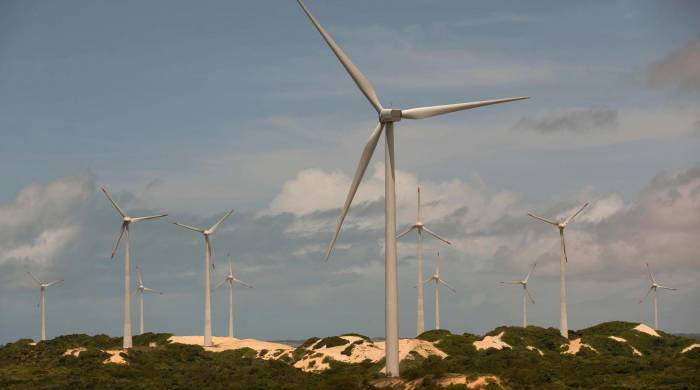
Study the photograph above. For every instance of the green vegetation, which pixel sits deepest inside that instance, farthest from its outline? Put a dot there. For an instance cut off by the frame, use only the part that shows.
(330, 342)
(177, 366)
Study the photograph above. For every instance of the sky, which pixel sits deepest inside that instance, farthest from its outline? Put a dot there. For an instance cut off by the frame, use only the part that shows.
(194, 108)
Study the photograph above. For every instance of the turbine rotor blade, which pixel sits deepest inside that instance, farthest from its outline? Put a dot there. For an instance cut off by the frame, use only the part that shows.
(668, 288)
(646, 295)
(119, 239)
(138, 219)
(209, 250)
(34, 278)
(532, 268)
(216, 225)
(427, 112)
(406, 231)
(357, 76)
(116, 206)
(432, 233)
(529, 296)
(650, 275)
(575, 214)
(146, 289)
(359, 172)
(198, 230)
(54, 282)
(138, 275)
(219, 284)
(549, 221)
(242, 283)
(448, 286)
(563, 245)
(511, 282)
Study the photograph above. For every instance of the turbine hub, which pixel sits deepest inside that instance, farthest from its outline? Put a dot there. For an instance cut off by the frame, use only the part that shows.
(127, 219)
(419, 224)
(389, 115)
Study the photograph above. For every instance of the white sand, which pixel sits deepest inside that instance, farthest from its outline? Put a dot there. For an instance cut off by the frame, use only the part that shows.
(575, 346)
(690, 348)
(220, 344)
(114, 356)
(646, 329)
(531, 348)
(491, 342)
(74, 351)
(635, 351)
(458, 379)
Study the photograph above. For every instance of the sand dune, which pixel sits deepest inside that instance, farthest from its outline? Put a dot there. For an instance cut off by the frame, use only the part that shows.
(575, 346)
(621, 340)
(646, 329)
(220, 344)
(690, 348)
(491, 342)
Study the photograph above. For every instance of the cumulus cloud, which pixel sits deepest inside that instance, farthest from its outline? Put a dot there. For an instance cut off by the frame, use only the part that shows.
(575, 121)
(679, 69)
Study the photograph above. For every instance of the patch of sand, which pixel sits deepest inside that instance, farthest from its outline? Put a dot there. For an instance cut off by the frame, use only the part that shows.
(575, 346)
(220, 344)
(621, 340)
(531, 348)
(114, 356)
(690, 348)
(74, 351)
(646, 329)
(491, 342)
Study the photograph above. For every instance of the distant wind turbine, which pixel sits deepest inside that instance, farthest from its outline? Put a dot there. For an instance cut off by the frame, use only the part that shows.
(386, 119)
(207, 278)
(231, 279)
(437, 279)
(526, 293)
(419, 227)
(124, 232)
(654, 286)
(141, 290)
(563, 321)
(42, 302)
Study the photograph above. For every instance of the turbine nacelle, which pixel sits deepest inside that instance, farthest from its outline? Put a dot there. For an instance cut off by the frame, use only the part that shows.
(126, 219)
(387, 115)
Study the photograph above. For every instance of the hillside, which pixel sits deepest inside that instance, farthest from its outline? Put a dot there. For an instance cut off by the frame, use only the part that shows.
(608, 355)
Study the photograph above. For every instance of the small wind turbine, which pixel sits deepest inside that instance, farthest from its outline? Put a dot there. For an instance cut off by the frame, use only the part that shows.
(654, 285)
(437, 279)
(42, 302)
(207, 278)
(142, 289)
(386, 119)
(124, 232)
(231, 279)
(563, 321)
(419, 227)
(526, 293)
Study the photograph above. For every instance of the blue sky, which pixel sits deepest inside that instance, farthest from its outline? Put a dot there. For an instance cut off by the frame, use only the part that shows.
(194, 108)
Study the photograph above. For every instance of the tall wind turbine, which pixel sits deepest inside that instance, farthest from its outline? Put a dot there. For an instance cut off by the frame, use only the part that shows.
(142, 289)
(231, 279)
(419, 227)
(654, 286)
(386, 119)
(207, 278)
(563, 322)
(42, 302)
(124, 232)
(437, 279)
(526, 293)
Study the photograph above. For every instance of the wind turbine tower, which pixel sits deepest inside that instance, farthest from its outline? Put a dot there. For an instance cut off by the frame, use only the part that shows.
(526, 293)
(141, 288)
(436, 278)
(654, 286)
(42, 302)
(231, 279)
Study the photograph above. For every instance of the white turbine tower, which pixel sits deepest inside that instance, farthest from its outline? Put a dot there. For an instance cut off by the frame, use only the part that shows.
(386, 120)
(207, 278)
(419, 227)
(526, 293)
(141, 290)
(42, 302)
(654, 285)
(124, 232)
(231, 279)
(436, 278)
(563, 322)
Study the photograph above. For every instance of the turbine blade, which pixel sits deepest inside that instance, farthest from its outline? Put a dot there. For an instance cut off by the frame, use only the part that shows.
(668, 288)
(646, 295)
(419, 208)
(532, 268)
(357, 76)
(34, 277)
(436, 236)
(54, 282)
(119, 239)
(448, 286)
(146, 289)
(138, 275)
(430, 279)
(563, 245)
(216, 225)
(242, 283)
(427, 112)
(511, 282)
(209, 250)
(575, 214)
(406, 231)
(529, 296)
(138, 219)
(116, 206)
(219, 284)
(359, 172)
(189, 227)
(549, 221)
(650, 275)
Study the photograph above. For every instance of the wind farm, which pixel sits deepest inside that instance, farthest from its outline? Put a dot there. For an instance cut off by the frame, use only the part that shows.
(432, 265)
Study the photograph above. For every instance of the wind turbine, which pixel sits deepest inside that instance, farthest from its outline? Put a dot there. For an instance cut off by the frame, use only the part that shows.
(654, 285)
(419, 227)
(207, 278)
(142, 289)
(124, 232)
(526, 293)
(436, 278)
(386, 119)
(42, 302)
(563, 322)
(231, 279)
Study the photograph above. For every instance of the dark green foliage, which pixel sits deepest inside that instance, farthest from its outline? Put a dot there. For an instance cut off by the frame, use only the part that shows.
(329, 342)
(309, 342)
(433, 335)
(358, 335)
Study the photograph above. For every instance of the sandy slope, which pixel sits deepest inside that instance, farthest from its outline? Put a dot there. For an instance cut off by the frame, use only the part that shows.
(575, 346)
(491, 342)
(220, 344)
(690, 348)
(621, 340)
(646, 329)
